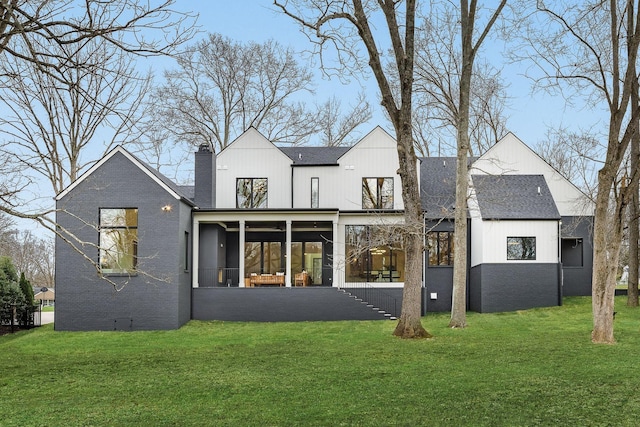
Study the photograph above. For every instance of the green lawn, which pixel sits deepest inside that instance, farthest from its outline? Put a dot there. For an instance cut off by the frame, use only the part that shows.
(533, 367)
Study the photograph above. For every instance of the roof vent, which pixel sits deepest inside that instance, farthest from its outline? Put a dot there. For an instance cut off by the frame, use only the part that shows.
(299, 156)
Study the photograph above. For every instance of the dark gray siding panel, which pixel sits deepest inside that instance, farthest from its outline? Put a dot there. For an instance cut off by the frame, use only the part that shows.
(438, 281)
(211, 254)
(475, 294)
(185, 263)
(513, 286)
(577, 280)
(279, 305)
(159, 297)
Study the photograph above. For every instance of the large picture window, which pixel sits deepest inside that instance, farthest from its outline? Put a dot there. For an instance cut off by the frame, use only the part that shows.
(440, 244)
(377, 193)
(521, 248)
(263, 258)
(118, 240)
(374, 254)
(251, 193)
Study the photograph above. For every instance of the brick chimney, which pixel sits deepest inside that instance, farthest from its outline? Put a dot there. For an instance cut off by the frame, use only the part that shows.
(205, 177)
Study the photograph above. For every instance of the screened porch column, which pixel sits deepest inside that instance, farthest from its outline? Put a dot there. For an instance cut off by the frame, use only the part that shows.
(241, 254)
(335, 255)
(287, 279)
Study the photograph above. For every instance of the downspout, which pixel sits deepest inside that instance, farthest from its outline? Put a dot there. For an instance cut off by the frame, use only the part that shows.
(560, 271)
(291, 186)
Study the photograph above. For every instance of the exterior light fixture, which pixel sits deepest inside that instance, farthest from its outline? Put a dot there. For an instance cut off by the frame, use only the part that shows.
(166, 208)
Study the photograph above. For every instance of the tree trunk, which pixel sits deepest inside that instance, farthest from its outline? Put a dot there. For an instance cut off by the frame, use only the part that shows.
(607, 234)
(634, 211)
(469, 49)
(459, 294)
(409, 324)
(634, 231)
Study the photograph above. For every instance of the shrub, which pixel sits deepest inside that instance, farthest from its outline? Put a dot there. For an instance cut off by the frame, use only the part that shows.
(10, 295)
(14, 293)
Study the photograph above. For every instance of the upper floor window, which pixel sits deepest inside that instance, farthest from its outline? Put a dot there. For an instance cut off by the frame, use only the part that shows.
(118, 240)
(521, 248)
(377, 193)
(315, 196)
(251, 193)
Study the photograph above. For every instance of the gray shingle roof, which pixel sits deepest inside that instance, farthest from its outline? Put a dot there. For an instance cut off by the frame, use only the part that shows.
(314, 156)
(438, 186)
(514, 197)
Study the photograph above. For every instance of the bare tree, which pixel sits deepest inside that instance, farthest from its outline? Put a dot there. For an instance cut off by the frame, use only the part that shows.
(344, 27)
(592, 48)
(633, 233)
(633, 230)
(337, 128)
(469, 20)
(575, 154)
(221, 88)
(48, 43)
(31, 255)
(55, 118)
(7, 231)
(437, 88)
(31, 29)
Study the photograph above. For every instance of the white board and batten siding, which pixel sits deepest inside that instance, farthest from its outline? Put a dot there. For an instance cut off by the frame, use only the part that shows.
(511, 156)
(489, 240)
(327, 188)
(253, 156)
(374, 156)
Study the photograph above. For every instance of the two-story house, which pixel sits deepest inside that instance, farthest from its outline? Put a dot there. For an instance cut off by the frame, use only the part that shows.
(270, 233)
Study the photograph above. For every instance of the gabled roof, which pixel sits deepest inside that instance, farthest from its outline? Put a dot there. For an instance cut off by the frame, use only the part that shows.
(314, 156)
(252, 139)
(438, 186)
(514, 197)
(155, 175)
(329, 156)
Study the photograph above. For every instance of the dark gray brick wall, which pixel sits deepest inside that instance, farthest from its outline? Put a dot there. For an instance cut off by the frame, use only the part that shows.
(280, 304)
(159, 299)
(513, 286)
(577, 280)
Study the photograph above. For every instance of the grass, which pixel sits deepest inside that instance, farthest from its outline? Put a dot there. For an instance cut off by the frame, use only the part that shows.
(534, 367)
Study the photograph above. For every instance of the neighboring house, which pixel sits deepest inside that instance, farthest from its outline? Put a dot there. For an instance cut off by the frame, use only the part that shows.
(46, 298)
(270, 233)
